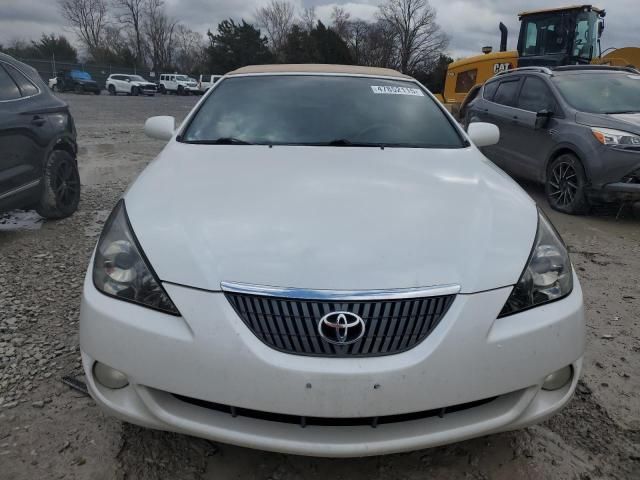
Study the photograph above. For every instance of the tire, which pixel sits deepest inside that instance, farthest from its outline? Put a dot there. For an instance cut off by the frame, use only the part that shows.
(60, 186)
(112, 90)
(135, 91)
(180, 90)
(566, 185)
(79, 89)
(54, 88)
(162, 90)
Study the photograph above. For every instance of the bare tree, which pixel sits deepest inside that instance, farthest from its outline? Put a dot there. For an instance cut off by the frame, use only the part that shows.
(340, 21)
(159, 31)
(88, 18)
(130, 14)
(190, 50)
(276, 18)
(308, 18)
(419, 39)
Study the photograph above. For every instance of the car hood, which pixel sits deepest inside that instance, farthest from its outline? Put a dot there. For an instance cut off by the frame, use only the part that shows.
(629, 122)
(331, 218)
(143, 84)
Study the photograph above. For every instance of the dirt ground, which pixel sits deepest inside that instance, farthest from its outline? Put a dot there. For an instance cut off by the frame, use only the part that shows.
(48, 430)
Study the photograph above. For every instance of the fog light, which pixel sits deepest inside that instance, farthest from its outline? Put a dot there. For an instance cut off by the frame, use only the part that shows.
(558, 379)
(109, 377)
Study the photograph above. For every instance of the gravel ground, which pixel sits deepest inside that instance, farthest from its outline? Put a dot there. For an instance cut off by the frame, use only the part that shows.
(48, 430)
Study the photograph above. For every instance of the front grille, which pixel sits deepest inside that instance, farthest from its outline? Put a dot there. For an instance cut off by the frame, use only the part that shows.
(291, 325)
(330, 421)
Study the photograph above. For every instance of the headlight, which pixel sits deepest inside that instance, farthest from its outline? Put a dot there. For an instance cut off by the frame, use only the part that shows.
(120, 268)
(548, 275)
(607, 136)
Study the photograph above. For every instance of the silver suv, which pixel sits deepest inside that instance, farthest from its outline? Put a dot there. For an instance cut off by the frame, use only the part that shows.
(576, 129)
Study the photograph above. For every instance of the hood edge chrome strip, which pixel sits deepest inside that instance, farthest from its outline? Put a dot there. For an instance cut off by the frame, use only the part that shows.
(339, 295)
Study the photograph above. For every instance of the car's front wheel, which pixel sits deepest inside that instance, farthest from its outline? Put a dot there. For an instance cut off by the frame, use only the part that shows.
(134, 91)
(79, 89)
(566, 185)
(60, 186)
(112, 90)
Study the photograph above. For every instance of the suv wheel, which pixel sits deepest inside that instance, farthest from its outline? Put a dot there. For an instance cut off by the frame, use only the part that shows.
(61, 186)
(112, 90)
(134, 91)
(162, 90)
(79, 89)
(180, 90)
(566, 185)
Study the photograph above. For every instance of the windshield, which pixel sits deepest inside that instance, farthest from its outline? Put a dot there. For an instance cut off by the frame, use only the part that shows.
(136, 78)
(321, 110)
(546, 34)
(601, 92)
(585, 44)
(80, 75)
(182, 78)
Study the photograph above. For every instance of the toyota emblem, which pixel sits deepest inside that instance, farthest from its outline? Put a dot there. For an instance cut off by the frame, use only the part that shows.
(341, 328)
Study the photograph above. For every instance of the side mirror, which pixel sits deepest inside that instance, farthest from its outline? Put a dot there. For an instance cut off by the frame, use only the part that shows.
(542, 119)
(483, 134)
(161, 128)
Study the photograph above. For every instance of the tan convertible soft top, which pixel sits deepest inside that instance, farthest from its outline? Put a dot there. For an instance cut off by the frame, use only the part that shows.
(318, 68)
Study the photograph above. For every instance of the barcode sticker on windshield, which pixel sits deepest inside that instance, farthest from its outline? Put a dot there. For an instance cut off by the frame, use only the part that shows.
(388, 90)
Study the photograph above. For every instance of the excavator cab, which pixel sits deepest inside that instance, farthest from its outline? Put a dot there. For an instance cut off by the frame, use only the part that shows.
(563, 36)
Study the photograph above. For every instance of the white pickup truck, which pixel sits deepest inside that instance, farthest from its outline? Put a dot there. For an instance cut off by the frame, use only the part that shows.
(207, 81)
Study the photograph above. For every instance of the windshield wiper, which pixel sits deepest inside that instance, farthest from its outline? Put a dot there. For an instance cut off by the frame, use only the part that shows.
(220, 141)
(622, 112)
(343, 142)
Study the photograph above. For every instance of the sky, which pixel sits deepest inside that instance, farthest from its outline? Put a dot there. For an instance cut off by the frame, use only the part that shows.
(470, 24)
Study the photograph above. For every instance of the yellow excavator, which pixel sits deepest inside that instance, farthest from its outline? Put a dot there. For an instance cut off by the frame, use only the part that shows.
(549, 38)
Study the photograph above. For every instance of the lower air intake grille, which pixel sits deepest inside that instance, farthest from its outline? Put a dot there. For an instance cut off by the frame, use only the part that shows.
(333, 422)
(291, 325)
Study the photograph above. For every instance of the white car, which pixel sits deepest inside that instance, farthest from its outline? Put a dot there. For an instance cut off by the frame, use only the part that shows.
(53, 83)
(337, 271)
(206, 81)
(178, 84)
(129, 84)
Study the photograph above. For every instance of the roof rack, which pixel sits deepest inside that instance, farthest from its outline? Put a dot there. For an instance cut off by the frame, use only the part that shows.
(569, 68)
(545, 70)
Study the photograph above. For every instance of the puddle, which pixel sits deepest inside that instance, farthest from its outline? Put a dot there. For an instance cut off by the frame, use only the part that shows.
(20, 220)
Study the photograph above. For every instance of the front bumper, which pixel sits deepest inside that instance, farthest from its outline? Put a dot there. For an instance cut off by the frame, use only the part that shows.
(616, 174)
(209, 354)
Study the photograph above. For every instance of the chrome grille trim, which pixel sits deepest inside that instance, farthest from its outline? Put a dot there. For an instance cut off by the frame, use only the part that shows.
(339, 295)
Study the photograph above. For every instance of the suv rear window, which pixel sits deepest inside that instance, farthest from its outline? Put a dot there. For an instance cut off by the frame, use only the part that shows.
(8, 88)
(506, 92)
(26, 86)
(490, 90)
(322, 110)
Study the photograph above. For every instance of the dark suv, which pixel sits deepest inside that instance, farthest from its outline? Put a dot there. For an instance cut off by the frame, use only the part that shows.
(576, 129)
(38, 166)
(76, 80)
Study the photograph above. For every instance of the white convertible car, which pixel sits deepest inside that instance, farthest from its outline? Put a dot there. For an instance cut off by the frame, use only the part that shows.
(322, 262)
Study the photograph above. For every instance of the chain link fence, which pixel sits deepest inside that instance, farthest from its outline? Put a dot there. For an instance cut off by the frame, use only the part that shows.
(48, 68)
